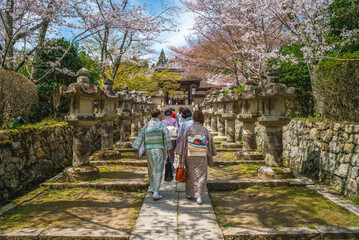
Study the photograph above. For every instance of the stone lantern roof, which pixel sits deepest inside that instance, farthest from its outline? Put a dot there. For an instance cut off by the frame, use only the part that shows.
(273, 88)
(82, 87)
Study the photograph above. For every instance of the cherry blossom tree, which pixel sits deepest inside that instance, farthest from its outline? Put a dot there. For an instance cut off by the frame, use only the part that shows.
(235, 37)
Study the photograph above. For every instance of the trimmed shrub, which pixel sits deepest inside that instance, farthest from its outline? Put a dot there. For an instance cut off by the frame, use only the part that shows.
(338, 84)
(17, 95)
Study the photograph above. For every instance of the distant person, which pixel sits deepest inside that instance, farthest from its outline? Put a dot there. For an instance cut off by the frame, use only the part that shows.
(179, 115)
(173, 115)
(172, 126)
(196, 148)
(154, 138)
(187, 122)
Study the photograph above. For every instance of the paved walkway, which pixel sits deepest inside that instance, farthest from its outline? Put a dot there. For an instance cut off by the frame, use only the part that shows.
(175, 217)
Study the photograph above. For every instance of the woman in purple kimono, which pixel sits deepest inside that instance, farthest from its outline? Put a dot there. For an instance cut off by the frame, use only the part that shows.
(196, 148)
(172, 126)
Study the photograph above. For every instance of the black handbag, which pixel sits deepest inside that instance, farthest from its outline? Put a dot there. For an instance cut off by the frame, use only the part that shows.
(168, 171)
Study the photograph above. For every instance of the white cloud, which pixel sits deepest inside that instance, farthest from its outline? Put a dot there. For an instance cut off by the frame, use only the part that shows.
(176, 39)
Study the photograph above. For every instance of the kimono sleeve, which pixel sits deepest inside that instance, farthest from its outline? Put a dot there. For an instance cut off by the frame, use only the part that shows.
(139, 143)
(211, 149)
(166, 137)
(181, 148)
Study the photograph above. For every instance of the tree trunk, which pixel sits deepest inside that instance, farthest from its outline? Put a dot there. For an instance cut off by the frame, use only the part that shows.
(39, 50)
(9, 44)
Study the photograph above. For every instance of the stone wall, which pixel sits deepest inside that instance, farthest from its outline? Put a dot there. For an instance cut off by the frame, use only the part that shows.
(327, 152)
(29, 156)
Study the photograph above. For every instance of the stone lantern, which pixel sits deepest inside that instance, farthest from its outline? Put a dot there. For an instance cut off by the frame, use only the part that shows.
(230, 115)
(205, 106)
(81, 116)
(248, 114)
(124, 114)
(274, 95)
(107, 114)
(220, 121)
(211, 112)
(134, 115)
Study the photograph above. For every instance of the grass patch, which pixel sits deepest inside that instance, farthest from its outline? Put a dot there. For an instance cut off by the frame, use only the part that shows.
(81, 208)
(118, 173)
(233, 172)
(44, 123)
(278, 207)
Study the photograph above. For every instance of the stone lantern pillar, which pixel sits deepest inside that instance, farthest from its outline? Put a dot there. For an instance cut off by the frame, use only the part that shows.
(107, 114)
(230, 115)
(248, 114)
(205, 106)
(81, 116)
(211, 113)
(135, 115)
(273, 95)
(124, 114)
(220, 121)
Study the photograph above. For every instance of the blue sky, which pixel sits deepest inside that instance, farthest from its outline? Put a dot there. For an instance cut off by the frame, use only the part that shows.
(185, 22)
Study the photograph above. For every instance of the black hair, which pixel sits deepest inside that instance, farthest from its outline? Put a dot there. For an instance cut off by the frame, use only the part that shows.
(186, 113)
(168, 112)
(155, 112)
(180, 109)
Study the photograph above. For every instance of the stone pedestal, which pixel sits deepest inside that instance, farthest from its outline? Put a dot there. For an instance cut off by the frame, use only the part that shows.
(249, 143)
(221, 130)
(133, 129)
(249, 155)
(274, 172)
(274, 147)
(214, 130)
(81, 168)
(231, 135)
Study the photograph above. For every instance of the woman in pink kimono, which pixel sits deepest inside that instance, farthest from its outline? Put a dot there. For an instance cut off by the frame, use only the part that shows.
(196, 148)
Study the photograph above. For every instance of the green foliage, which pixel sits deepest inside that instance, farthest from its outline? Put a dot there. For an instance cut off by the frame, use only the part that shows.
(48, 88)
(297, 76)
(240, 89)
(338, 83)
(91, 65)
(137, 76)
(345, 15)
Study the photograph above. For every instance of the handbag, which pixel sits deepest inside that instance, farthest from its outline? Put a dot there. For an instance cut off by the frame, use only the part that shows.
(181, 173)
(168, 171)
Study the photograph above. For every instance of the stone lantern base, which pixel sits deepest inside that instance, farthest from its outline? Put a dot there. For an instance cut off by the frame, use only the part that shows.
(249, 155)
(219, 138)
(106, 155)
(274, 172)
(214, 134)
(84, 173)
(120, 145)
(231, 145)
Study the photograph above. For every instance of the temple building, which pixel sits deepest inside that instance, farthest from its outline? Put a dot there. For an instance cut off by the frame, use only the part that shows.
(190, 92)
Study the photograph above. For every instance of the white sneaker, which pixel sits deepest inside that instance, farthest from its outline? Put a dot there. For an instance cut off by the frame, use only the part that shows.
(156, 196)
(199, 200)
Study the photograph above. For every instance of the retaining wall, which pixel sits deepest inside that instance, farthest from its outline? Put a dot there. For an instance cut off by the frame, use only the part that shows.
(328, 152)
(29, 156)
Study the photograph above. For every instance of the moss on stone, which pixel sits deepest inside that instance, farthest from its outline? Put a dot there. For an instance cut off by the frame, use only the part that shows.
(82, 208)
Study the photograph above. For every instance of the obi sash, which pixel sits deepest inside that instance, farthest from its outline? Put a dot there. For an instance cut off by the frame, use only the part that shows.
(153, 138)
(197, 145)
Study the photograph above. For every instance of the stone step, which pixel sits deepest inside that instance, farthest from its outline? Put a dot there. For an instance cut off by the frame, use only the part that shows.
(136, 163)
(247, 183)
(249, 155)
(111, 185)
(289, 233)
(239, 162)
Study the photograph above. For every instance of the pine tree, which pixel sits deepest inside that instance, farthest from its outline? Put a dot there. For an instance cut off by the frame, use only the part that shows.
(162, 60)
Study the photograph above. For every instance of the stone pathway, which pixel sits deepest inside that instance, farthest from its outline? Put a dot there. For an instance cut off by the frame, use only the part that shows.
(175, 217)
